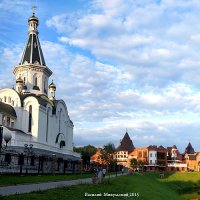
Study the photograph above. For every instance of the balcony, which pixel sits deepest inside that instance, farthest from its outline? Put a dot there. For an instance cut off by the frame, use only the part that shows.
(177, 165)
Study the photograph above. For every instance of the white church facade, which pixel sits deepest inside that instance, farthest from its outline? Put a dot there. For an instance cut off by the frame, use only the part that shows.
(33, 116)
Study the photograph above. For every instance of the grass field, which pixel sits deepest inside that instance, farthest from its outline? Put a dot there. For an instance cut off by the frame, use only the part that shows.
(175, 186)
(17, 179)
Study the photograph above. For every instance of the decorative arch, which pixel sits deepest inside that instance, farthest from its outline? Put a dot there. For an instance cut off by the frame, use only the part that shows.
(62, 105)
(60, 140)
(13, 93)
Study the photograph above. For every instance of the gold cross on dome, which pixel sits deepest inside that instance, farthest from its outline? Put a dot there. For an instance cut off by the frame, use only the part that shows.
(33, 9)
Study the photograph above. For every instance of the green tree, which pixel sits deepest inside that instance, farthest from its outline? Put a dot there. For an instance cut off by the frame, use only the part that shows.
(133, 163)
(86, 152)
(107, 154)
(141, 164)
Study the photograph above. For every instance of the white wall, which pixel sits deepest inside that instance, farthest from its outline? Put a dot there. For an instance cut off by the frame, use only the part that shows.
(39, 121)
(152, 157)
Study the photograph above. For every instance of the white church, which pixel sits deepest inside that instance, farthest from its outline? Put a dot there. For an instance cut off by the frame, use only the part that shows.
(39, 124)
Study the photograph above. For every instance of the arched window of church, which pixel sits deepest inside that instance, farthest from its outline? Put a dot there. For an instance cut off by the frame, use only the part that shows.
(47, 129)
(45, 85)
(5, 99)
(30, 119)
(9, 100)
(13, 103)
(24, 80)
(36, 81)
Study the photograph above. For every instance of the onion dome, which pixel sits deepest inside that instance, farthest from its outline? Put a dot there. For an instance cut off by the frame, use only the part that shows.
(19, 80)
(52, 86)
(33, 18)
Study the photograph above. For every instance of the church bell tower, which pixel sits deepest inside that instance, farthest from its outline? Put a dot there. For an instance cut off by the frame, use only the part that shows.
(32, 68)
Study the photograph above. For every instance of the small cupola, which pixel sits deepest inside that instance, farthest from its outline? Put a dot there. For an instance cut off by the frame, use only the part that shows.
(33, 22)
(19, 84)
(52, 89)
(19, 80)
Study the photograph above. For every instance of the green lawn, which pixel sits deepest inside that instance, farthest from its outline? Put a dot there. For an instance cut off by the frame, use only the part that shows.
(183, 181)
(17, 179)
(148, 186)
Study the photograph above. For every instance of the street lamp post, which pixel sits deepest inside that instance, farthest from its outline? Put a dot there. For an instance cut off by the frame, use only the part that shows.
(7, 137)
(28, 149)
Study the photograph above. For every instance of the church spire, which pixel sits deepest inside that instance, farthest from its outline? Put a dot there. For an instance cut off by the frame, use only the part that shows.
(32, 68)
(33, 51)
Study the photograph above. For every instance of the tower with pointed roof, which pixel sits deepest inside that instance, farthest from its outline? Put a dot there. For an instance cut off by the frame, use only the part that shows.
(32, 68)
(126, 146)
(189, 149)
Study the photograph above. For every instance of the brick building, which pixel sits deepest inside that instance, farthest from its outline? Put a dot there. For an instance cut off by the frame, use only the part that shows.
(175, 160)
(193, 161)
(154, 158)
(96, 158)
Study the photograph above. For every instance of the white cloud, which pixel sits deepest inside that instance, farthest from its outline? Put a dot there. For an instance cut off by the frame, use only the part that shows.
(156, 35)
(9, 57)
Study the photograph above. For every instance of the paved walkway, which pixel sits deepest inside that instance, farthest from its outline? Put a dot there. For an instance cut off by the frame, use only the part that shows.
(26, 188)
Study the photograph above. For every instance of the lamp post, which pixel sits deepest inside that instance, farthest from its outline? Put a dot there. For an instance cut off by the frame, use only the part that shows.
(28, 149)
(6, 136)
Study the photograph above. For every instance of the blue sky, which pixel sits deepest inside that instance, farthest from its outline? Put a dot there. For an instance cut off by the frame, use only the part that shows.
(118, 64)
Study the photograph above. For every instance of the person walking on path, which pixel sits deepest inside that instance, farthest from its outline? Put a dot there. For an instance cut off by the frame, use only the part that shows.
(104, 172)
(122, 170)
(100, 175)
